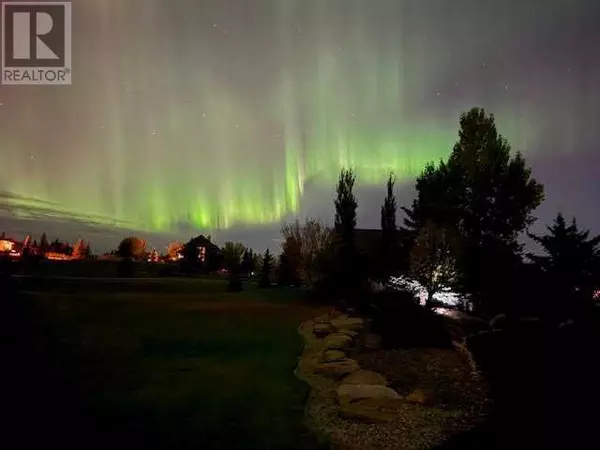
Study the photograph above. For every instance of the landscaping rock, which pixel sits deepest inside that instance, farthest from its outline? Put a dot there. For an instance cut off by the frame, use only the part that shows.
(420, 397)
(337, 341)
(337, 369)
(333, 355)
(326, 319)
(322, 329)
(373, 410)
(352, 393)
(348, 323)
(367, 377)
(351, 333)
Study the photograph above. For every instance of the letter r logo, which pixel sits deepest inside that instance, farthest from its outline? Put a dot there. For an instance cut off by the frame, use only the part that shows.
(23, 35)
(35, 34)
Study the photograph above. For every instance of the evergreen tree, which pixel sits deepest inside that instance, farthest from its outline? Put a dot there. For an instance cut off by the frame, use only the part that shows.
(571, 260)
(248, 261)
(44, 243)
(350, 273)
(346, 206)
(266, 270)
(290, 262)
(389, 232)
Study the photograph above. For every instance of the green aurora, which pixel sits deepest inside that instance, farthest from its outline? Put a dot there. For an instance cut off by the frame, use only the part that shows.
(200, 124)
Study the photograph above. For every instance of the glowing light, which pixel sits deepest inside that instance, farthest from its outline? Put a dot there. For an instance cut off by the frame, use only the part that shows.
(6, 245)
(445, 296)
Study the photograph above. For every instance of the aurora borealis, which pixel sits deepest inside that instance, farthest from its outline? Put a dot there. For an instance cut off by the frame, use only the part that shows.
(221, 114)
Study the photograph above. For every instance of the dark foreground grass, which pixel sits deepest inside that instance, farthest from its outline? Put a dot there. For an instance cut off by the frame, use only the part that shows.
(156, 371)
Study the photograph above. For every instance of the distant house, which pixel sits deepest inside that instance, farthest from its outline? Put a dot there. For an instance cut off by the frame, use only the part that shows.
(206, 248)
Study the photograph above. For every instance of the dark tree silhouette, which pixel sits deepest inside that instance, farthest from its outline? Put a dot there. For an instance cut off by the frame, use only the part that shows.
(266, 270)
(389, 232)
(488, 196)
(132, 247)
(345, 207)
(44, 245)
(232, 257)
(290, 262)
(350, 273)
(248, 262)
(571, 260)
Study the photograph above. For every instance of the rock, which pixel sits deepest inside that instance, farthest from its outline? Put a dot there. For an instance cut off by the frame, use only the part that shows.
(348, 323)
(365, 377)
(351, 393)
(420, 397)
(373, 410)
(322, 329)
(333, 355)
(351, 333)
(337, 369)
(326, 319)
(337, 341)
(368, 403)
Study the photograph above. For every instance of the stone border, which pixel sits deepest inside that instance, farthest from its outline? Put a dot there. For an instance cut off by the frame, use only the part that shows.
(354, 408)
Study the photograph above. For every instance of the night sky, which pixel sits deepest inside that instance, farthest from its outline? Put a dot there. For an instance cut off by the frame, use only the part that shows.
(227, 116)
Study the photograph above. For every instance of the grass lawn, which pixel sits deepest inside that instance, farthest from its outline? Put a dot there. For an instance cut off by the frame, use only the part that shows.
(153, 370)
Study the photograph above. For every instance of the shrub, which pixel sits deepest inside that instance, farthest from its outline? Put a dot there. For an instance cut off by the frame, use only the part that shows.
(402, 322)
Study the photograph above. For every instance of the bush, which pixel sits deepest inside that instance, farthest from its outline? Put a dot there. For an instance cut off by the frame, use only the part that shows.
(402, 322)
